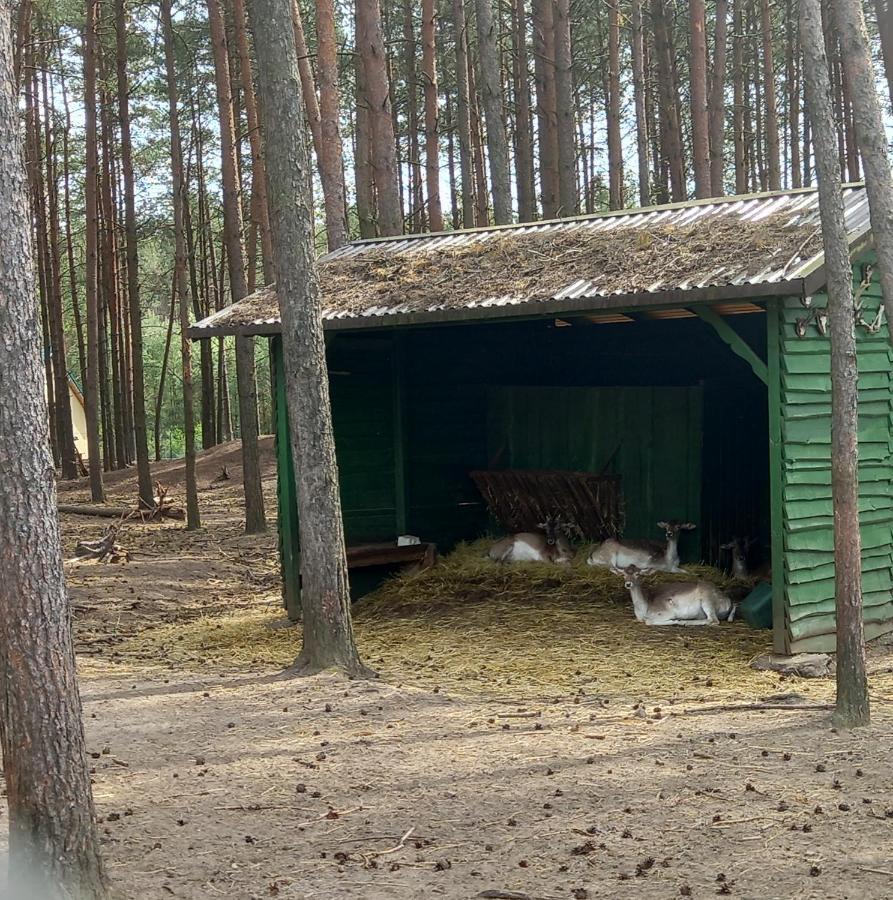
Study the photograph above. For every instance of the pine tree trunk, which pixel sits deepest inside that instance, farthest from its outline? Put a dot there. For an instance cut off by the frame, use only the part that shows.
(193, 519)
(885, 31)
(370, 45)
(490, 85)
(308, 81)
(255, 517)
(738, 103)
(669, 99)
(91, 203)
(773, 161)
(331, 158)
(700, 141)
(363, 155)
(463, 112)
(523, 130)
(869, 123)
(793, 79)
(637, 52)
(852, 685)
(325, 593)
(432, 128)
(415, 219)
(546, 104)
(564, 96)
(716, 107)
(53, 840)
(615, 146)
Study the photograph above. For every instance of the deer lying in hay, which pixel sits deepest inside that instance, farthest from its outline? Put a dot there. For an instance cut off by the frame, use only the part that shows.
(550, 546)
(642, 554)
(682, 603)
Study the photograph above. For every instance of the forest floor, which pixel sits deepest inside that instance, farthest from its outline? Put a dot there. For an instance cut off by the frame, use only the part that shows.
(214, 777)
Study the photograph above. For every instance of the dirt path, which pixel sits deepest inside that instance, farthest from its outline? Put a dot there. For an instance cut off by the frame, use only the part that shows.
(219, 780)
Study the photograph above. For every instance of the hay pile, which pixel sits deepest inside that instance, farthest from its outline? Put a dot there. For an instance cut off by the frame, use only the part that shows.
(520, 631)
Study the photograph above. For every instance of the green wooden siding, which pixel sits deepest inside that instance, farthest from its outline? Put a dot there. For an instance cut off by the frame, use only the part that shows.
(650, 436)
(807, 523)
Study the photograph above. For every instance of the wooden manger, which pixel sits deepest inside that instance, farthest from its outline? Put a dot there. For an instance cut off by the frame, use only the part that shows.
(590, 506)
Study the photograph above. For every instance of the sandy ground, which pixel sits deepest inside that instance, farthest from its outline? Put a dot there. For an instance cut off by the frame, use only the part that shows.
(213, 780)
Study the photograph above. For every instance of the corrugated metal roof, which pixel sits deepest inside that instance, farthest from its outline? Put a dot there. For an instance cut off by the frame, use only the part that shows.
(728, 278)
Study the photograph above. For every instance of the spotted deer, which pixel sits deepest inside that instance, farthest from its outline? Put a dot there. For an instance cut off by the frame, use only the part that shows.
(550, 546)
(642, 554)
(680, 603)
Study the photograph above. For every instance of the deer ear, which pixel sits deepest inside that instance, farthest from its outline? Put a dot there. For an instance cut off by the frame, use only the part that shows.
(727, 546)
(688, 526)
(663, 524)
(543, 525)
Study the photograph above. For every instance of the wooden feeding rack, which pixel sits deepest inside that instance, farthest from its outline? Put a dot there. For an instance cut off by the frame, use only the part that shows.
(590, 506)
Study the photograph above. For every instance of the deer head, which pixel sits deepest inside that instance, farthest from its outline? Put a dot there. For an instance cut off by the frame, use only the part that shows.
(673, 527)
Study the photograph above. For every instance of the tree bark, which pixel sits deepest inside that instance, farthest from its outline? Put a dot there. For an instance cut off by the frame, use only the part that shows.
(564, 96)
(716, 104)
(700, 141)
(669, 100)
(546, 104)
(370, 45)
(615, 146)
(885, 31)
(491, 94)
(91, 203)
(308, 81)
(432, 128)
(852, 685)
(255, 517)
(328, 633)
(637, 52)
(773, 161)
(416, 205)
(330, 157)
(363, 154)
(869, 123)
(144, 475)
(463, 112)
(523, 130)
(53, 841)
(193, 519)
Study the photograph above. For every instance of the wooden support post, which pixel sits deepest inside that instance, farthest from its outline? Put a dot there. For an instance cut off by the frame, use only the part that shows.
(735, 342)
(289, 540)
(780, 637)
(398, 393)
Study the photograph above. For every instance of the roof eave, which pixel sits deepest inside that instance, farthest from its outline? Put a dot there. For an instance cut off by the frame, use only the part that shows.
(521, 311)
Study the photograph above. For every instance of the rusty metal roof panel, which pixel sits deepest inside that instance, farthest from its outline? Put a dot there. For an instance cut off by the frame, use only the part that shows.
(795, 209)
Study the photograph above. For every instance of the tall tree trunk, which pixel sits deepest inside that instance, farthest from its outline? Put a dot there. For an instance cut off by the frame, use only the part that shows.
(868, 118)
(370, 45)
(463, 112)
(259, 204)
(331, 158)
(53, 840)
(615, 146)
(363, 155)
(523, 131)
(852, 684)
(700, 140)
(793, 79)
(771, 125)
(91, 203)
(328, 633)
(637, 51)
(308, 81)
(481, 194)
(716, 104)
(432, 129)
(413, 155)
(564, 96)
(490, 85)
(255, 517)
(193, 519)
(885, 31)
(669, 100)
(546, 104)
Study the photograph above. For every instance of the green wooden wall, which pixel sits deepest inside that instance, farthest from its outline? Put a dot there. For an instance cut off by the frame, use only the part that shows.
(650, 436)
(804, 575)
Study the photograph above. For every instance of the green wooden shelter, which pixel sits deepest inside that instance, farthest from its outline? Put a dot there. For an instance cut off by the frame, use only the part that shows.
(682, 348)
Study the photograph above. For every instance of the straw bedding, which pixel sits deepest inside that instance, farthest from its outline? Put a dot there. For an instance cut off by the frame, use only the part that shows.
(528, 630)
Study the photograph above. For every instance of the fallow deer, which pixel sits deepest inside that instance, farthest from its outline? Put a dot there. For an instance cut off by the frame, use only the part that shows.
(642, 554)
(528, 546)
(681, 603)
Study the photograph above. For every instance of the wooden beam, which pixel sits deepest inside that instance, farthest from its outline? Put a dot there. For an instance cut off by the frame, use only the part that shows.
(781, 642)
(735, 342)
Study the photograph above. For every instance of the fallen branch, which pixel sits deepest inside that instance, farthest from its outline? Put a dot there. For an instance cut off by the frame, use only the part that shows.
(163, 509)
(746, 707)
(104, 550)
